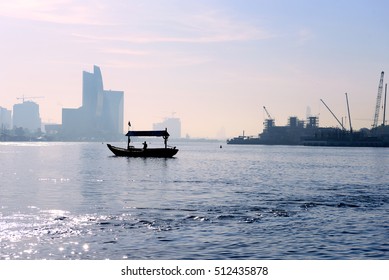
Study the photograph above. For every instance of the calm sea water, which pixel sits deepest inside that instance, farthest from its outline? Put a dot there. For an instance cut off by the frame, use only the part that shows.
(77, 201)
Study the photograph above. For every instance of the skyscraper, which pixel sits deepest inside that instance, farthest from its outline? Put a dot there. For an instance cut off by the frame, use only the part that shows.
(92, 92)
(101, 113)
(26, 115)
(113, 111)
(173, 126)
(5, 118)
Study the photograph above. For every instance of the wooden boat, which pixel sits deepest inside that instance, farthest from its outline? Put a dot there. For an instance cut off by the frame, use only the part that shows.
(131, 151)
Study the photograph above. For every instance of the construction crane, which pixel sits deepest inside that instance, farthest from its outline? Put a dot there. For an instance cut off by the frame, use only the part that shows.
(383, 119)
(267, 113)
(349, 116)
(333, 114)
(28, 97)
(378, 103)
(269, 122)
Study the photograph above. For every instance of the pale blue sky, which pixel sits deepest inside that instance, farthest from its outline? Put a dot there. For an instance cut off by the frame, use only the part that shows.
(214, 63)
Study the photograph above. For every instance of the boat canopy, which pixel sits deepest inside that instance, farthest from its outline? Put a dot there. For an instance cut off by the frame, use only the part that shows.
(157, 133)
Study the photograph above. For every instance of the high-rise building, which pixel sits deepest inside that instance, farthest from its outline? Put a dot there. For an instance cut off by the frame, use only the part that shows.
(26, 115)
(101, 113)
(92, 92)
(113, 111)
(5, 118)
(173, 126)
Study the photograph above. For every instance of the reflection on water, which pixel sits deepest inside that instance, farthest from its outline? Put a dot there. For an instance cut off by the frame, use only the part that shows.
(77, 201)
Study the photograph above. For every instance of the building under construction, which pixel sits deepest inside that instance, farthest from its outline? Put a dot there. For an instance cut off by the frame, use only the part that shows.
(309, 133)
(291, 134)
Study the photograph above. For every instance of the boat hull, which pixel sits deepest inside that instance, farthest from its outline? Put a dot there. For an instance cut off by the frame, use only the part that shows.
(149, 152)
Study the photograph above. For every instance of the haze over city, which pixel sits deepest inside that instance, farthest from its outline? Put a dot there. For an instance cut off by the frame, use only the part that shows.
(213, 64)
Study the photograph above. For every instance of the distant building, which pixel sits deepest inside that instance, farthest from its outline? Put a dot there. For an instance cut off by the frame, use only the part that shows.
(5, 118)
(173, 126)
(26, 115)
(101, 113)
(53, 129)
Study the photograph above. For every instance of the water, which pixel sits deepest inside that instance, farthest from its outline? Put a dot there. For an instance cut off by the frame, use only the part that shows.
(77, 201)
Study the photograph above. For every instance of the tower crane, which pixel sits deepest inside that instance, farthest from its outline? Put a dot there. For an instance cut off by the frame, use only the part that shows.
(269, 122)
(378, 103)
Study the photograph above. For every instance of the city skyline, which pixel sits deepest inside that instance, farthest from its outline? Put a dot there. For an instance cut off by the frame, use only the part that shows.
(215, 63)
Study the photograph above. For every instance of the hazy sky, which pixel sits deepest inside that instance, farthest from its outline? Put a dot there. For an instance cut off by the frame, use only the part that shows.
(212, 63)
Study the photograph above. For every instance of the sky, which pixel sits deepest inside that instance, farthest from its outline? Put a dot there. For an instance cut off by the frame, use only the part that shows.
(214, 64)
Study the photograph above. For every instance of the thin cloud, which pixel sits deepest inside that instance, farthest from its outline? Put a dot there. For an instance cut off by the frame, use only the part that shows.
(203, 33)
(125, 52)
(159, 26)
(304, 35)
(219, 38)
(184, 27)
(172, 60)
(53, 11)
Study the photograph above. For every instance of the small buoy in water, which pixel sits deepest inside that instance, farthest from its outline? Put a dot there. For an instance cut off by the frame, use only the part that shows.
(221, 146)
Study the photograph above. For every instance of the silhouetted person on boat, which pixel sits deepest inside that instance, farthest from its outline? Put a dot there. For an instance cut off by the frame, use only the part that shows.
(144, 145)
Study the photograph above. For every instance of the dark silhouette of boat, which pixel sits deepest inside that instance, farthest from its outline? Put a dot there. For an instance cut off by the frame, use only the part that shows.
(131, 151)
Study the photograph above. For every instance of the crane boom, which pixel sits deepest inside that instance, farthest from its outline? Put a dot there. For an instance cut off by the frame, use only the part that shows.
(28, 97)
(383, 119)
(349, 116)
(378, 103)
(333, 114)
(267, 113)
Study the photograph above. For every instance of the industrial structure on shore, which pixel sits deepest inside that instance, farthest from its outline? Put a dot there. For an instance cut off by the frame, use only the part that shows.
(309, 133)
